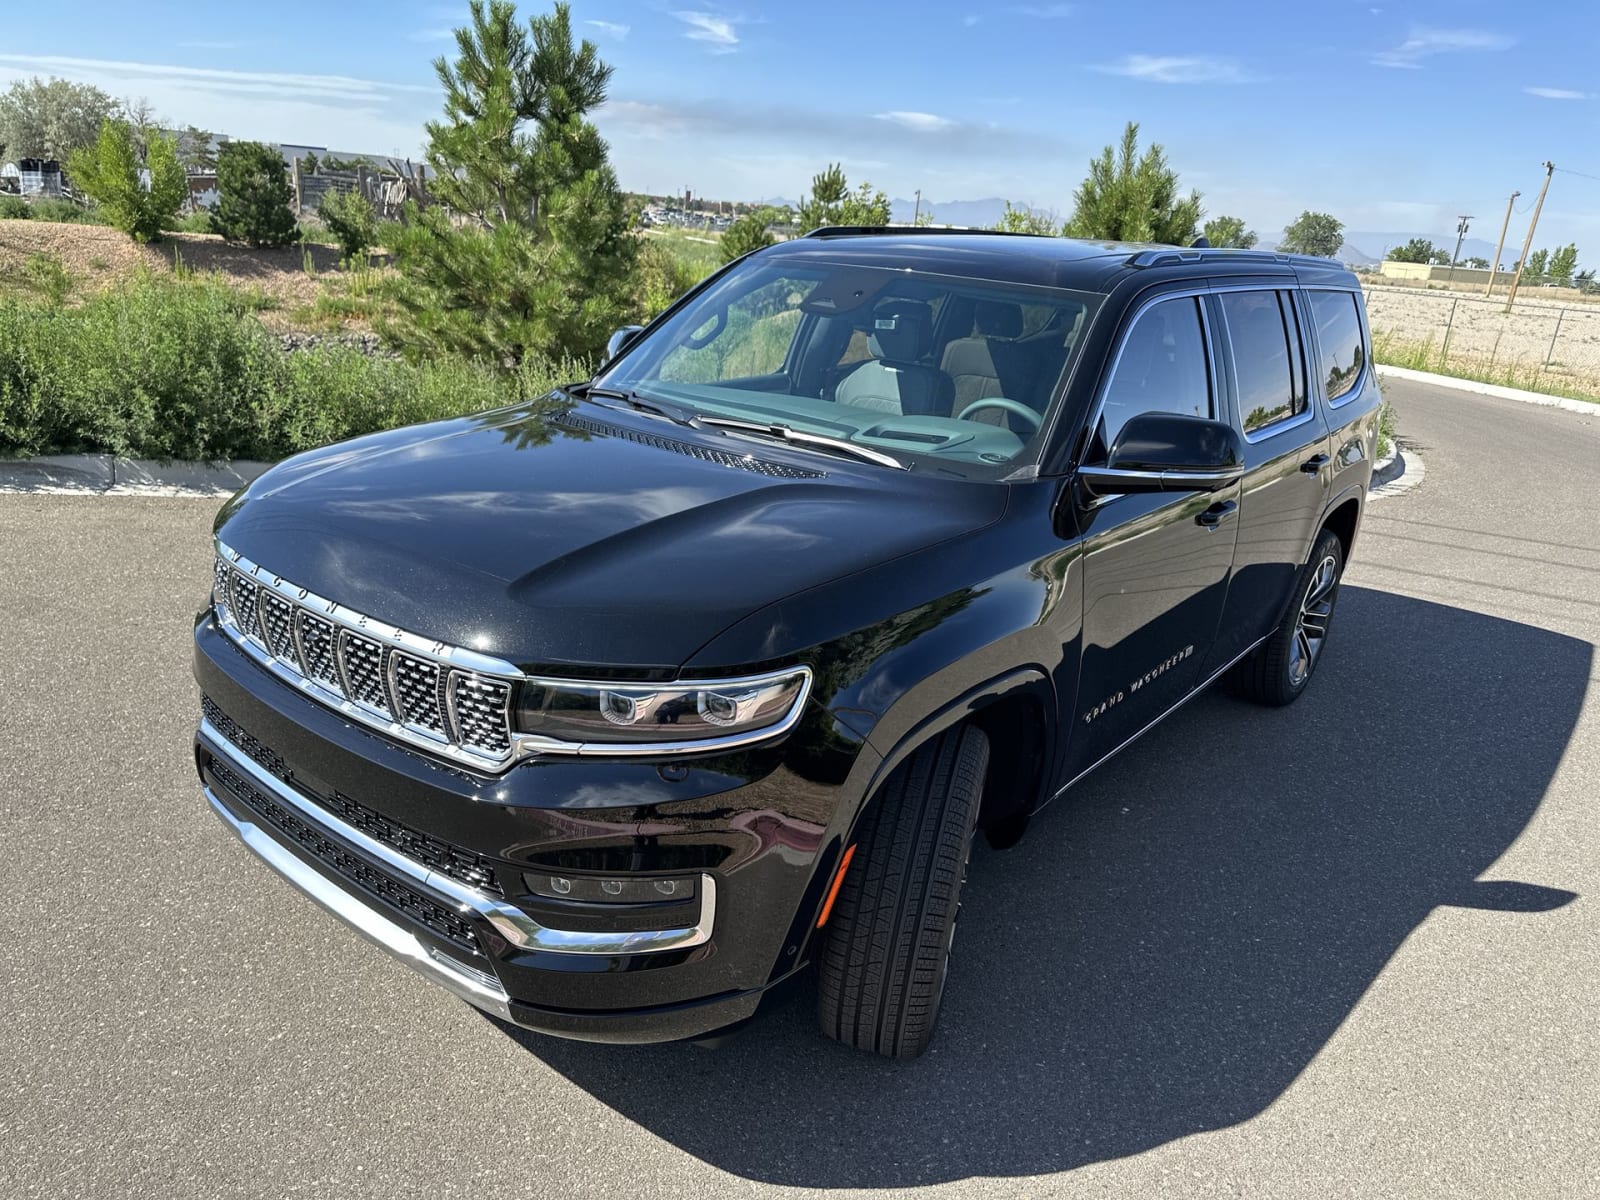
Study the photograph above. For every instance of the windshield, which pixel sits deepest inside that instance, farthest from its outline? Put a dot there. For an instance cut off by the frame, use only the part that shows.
(940, 372)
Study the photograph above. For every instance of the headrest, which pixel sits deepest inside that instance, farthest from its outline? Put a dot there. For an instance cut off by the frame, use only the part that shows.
(902, 330)
(998, 318)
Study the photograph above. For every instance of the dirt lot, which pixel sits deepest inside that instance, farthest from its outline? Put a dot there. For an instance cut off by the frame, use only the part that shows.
(1538, 338)
(97, 257)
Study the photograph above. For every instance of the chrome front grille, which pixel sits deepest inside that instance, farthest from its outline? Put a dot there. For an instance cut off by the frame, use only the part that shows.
(446, 699)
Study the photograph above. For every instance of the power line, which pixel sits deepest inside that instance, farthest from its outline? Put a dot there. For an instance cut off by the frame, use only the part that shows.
(1579, 174)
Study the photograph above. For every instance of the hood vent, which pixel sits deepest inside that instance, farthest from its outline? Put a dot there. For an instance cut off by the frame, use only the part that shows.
(739, 462)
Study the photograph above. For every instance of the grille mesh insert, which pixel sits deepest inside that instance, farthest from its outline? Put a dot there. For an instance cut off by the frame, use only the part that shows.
(346, 863)
(461, 865)
(362, 659)
(403, 685)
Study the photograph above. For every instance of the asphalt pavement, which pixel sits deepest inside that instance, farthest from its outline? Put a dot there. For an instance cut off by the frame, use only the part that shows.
(1348, 948)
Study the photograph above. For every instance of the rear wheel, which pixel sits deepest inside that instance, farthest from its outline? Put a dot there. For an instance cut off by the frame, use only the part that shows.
(886, 947)
(1280, 668)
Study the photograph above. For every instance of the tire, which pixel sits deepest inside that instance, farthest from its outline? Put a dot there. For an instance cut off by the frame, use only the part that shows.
(886, 947)
(1280, 669)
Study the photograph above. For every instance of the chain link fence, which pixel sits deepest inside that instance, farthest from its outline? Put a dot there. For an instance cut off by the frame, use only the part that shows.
(1447, 331)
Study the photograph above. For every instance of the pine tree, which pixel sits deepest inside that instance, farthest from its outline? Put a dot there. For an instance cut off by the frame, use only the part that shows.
(744, 236)
(527, 249)
(1132, 198)
(253, 196)
(831, 202)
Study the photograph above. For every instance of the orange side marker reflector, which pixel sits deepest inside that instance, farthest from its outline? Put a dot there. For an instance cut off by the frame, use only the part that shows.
(833, 892)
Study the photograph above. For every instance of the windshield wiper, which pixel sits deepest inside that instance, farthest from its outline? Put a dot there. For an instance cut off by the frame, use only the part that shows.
(661, 408)
(799, 437)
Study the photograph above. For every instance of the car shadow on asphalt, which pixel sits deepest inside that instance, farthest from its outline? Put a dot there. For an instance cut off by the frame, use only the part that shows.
(1173, 942)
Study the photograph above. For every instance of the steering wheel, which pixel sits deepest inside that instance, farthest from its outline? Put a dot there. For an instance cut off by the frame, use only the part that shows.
(1013, 407)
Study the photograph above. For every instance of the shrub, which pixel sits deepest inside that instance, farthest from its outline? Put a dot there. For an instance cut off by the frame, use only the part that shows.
(660, 277)
(174, 368)
(109, 171)
(195, 222)
(349, 217)
(65, 212)
(745, 236)
(45, 275)
(13, 208)
(253, 196)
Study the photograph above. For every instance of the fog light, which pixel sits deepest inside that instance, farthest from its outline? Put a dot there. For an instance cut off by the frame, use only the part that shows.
(611, 891)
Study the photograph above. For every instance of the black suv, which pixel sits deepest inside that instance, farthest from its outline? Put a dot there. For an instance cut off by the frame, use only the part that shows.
(613, 711)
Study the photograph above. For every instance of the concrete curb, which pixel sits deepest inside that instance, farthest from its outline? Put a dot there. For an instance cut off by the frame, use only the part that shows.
(108, 475)
(1582, 407)
(1397, 474)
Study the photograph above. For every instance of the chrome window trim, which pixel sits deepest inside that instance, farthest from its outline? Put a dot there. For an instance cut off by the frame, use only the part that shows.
(1359, 383)
(455, 662)
(515, 925)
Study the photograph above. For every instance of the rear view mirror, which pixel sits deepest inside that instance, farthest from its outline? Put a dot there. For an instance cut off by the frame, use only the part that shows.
(621, 340)
(1167, 452)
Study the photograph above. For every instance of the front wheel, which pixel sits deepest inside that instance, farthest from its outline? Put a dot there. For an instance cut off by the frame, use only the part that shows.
(886, 946)
(1280, 668)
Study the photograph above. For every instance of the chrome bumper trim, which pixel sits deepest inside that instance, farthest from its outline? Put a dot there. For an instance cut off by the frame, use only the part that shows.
(366, 921)
(515, 925)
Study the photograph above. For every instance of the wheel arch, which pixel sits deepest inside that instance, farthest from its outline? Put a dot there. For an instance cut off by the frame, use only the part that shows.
(1343, 518)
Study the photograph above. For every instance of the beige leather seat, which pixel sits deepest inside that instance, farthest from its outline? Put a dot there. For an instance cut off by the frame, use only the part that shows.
(896, 380)
(970, 362)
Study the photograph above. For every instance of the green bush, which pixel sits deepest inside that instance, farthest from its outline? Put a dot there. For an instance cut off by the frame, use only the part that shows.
(180, 369)
(13, 208)
(349, 217)
(109, 171)
(198, 221)
(745, 236)
(253, 196)
(53, 208)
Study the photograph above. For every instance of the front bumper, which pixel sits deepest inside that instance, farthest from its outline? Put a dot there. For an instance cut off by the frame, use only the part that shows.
(280, 767)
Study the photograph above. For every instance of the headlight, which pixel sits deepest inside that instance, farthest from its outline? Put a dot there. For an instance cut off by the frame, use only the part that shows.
(639, 718)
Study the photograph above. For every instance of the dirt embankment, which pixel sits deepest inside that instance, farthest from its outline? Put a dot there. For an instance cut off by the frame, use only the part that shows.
(97, 257)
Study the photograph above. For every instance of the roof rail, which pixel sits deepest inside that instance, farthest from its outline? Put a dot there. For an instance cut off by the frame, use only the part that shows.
(868, 230)
(1169, 258)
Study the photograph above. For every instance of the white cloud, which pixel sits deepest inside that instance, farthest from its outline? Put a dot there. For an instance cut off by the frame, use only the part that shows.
(1550, 93)
(921, 122)
(1424, 43)
(717, 32)
(611, 29)
(1175, 69)
(970, 20)
(339, 111)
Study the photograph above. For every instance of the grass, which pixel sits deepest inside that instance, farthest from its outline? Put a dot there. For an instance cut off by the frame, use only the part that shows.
(1532, 377)
(1386, 430)
(180, 368)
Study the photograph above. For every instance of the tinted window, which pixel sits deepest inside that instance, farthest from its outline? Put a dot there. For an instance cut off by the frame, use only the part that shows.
(1339, 335)
(751, 337)
(1265, 344)
(1162, 367)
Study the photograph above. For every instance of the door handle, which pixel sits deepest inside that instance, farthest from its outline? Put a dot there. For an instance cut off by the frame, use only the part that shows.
(1314, 464)
(1214, 516)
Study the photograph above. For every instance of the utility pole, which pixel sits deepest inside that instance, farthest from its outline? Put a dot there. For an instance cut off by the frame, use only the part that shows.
(1549, 170)
(1461, 234)
(917, 213)
(1501, 244)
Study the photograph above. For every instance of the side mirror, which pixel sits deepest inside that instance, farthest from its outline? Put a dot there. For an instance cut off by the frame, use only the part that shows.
(1166, 452)
(621, 340)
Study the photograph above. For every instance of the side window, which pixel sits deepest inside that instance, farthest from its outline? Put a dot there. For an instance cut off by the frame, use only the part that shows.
(1339, 335)
(1162, 367)
(750, 337)
(1266, 345)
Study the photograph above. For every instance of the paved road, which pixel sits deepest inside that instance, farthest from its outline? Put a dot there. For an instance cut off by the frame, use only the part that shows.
(1348, 948)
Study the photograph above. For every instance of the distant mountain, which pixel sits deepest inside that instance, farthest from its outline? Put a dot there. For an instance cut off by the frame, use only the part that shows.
(974, 214)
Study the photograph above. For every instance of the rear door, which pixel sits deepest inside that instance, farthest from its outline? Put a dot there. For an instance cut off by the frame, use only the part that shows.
(1288, 468)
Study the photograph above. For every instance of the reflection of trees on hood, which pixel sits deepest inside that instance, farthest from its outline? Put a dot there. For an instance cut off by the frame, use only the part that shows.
(534, 423)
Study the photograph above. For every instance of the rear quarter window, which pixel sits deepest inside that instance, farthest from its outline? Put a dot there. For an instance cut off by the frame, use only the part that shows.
(1339, 340)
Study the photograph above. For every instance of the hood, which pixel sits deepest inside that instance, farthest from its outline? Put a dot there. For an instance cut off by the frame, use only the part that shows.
(582, 537)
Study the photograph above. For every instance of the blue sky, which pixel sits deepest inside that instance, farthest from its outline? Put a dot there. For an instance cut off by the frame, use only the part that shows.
(1392, 116)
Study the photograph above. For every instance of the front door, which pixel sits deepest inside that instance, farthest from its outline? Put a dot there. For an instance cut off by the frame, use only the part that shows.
(1155, 566)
